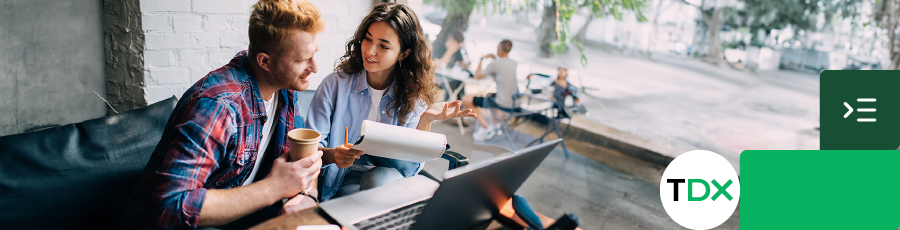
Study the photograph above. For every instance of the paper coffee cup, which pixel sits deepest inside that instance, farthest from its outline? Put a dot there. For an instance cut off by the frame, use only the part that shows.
(303, 143)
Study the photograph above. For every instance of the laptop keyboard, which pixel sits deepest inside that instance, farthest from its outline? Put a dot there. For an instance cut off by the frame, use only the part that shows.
(401, 218)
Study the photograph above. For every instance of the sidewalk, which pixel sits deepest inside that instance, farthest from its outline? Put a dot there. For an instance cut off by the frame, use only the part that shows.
(605, 188)
(669, 105)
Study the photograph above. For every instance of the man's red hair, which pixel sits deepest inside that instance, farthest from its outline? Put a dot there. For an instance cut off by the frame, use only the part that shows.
(271, 21)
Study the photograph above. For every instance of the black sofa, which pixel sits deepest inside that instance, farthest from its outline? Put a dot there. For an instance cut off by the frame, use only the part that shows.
(77, 176)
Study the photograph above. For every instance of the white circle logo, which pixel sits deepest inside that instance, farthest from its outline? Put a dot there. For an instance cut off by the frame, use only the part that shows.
(700, 190)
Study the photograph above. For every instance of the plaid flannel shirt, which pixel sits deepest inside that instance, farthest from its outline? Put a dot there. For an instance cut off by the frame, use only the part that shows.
(210, 142)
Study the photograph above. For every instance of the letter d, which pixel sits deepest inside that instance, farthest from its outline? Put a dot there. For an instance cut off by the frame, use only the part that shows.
(691, 189)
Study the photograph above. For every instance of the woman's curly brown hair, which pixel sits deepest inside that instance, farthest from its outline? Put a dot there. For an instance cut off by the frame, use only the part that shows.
(415, 74)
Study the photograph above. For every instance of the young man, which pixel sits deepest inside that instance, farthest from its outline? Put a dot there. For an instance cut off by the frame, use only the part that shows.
(223, 153)
(504, 71)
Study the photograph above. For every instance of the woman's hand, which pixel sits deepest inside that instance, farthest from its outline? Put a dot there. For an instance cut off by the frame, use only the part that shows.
(344, 156)
(452, 47)
(446, 110)
(442, 111)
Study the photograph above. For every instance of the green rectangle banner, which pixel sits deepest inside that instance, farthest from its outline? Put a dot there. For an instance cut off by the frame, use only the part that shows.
(820, 189)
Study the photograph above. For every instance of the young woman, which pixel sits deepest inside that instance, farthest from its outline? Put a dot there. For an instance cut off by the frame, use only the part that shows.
(386, 75)
(451, 53)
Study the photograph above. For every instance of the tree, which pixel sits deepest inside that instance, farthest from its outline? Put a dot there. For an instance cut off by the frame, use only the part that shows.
(659, 9)
(887, 13)
(800, 15)
(842, 8)
(457, 18)
(556, 26)
(711, 13)
(554, 36)
(547, 30)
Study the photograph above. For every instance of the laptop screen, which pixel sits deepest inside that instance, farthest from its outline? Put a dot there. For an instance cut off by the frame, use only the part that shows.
(474, 196)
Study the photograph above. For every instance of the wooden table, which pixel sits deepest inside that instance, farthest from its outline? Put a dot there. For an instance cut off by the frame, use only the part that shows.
(315, 216)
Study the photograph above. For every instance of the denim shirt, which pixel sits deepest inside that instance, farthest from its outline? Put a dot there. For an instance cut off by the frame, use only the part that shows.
(560, 93)
(343, 100)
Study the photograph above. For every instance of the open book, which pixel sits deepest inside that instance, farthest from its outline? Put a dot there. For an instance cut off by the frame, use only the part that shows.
(401, 143)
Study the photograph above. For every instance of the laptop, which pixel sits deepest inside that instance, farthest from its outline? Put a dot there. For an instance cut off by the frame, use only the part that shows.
(466, 198)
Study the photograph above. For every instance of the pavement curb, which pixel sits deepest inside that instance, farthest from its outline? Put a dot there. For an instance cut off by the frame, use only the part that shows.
(588, 131)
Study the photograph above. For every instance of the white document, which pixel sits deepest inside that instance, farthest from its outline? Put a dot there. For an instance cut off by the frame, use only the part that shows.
(401, 143)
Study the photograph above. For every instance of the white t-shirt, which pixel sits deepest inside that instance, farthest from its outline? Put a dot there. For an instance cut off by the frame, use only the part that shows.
(267, 133)
(376, 103)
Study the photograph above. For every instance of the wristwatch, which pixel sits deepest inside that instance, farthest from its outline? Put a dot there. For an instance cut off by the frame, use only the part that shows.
(314, 198)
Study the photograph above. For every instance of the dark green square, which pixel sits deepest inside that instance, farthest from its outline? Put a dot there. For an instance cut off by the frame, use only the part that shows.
(840, 86)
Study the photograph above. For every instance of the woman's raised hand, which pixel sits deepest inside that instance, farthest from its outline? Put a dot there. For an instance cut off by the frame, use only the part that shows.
(446, 110)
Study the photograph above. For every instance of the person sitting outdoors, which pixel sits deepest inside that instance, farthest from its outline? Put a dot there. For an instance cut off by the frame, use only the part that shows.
(447, 56)
(222, 157)
(386, 75)
(561, 89)
(504, 71)
(451, 54)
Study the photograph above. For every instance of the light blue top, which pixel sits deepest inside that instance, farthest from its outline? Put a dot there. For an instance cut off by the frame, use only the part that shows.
(343, 100)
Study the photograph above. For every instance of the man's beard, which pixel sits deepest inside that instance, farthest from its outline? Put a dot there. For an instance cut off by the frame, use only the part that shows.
(285, 81)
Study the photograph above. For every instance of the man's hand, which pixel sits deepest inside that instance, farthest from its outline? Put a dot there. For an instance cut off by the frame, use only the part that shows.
(290, 178)
(298, 203)
(285, 180)
(344, 156)
(478, 74)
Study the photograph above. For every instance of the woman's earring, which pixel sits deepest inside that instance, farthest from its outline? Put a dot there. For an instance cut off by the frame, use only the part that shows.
(400, 63)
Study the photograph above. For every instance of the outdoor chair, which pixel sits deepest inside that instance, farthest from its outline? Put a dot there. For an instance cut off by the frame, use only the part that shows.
(527, 110)
(554, 114)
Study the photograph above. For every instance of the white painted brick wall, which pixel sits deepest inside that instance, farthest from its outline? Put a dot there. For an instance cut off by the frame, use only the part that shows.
(186, 39)
(334, 39)
(159, 59)
(165, 6)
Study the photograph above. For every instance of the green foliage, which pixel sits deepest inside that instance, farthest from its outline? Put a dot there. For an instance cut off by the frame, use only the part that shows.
(454, 7)
(735, 44)
(597, 8)
(800, 14)
(565, 10)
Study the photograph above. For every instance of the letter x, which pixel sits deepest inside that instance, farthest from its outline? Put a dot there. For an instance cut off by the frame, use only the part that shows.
(721, 189)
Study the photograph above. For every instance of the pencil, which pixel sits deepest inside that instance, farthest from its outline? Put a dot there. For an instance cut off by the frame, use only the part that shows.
(346, 136)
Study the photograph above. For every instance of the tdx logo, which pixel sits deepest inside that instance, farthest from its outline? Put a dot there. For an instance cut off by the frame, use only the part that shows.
(720, 189)
(700, 189)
